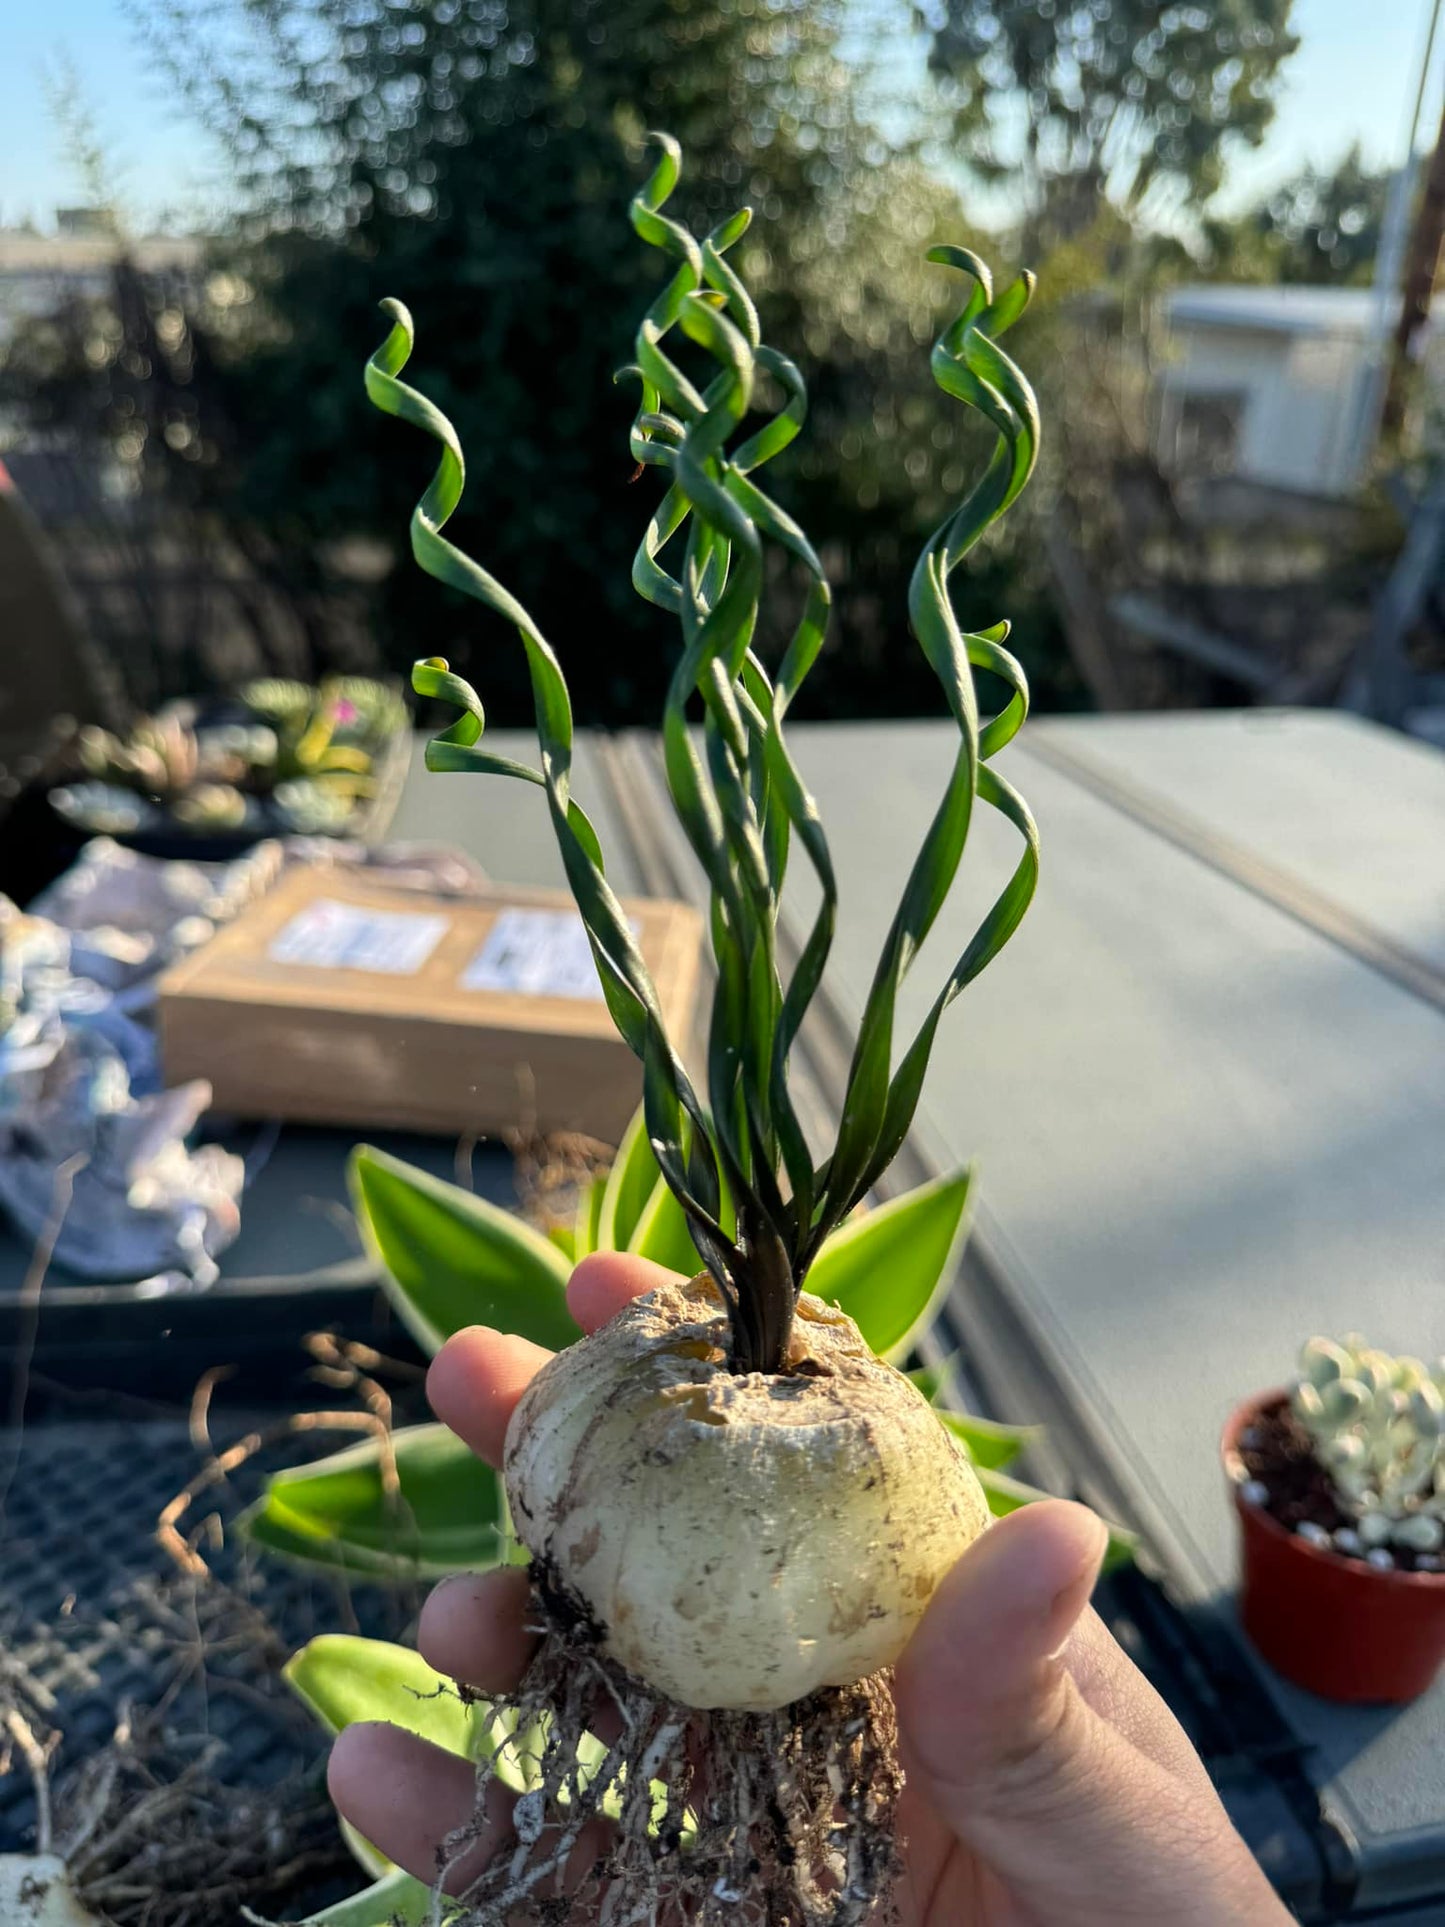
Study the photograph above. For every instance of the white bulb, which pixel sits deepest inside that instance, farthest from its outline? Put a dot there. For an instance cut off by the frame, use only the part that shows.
(738, 1541)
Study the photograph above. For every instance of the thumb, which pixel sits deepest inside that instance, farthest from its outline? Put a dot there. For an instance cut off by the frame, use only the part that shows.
(1080, 1825)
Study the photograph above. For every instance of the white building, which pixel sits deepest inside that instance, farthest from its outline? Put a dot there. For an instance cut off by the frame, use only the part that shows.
(39, 271)
(1279, 386)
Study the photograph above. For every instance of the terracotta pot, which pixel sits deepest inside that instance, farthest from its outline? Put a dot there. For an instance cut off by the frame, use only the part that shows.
(1339, 1627)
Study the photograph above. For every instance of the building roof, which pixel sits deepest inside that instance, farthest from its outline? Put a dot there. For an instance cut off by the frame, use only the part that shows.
(25, 252)
(1280, 310)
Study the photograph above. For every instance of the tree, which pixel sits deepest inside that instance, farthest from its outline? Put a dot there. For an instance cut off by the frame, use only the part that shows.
(1129, 98)
(1319, 226)
(476, 159)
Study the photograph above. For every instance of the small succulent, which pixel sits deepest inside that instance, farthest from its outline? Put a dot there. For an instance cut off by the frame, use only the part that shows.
(106, 809)
(279, 699)
(1377, 1424)
(235, 752)
(212, 806)
(311, 808)
(362, 709)
(160, 758)
(309, 745)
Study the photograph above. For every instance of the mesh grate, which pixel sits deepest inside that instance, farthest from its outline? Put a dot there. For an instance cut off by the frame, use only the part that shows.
(95, 1617)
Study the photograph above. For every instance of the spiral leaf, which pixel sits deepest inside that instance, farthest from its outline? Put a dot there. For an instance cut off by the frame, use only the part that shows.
(734, 785)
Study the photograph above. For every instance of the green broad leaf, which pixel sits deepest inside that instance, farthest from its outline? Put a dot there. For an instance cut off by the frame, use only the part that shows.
(988, 1442)
(447, 1515)
(564, 1236)
(931, 1381)
(589, 1218)
(1006, 1495)
(889, 1268)
(344, 1678)
(661, 1233)
(395, 1898)
(452, 1259)
(370, 1859)
(628, 1187)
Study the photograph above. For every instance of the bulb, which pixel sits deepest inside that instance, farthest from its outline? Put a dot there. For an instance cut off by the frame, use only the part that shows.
(737, 1541)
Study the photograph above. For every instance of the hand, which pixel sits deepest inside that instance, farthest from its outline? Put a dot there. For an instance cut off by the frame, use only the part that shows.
(1048, 1784)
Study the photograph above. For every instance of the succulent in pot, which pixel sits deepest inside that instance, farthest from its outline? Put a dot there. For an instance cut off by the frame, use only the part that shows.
(1339, 1484)
(735, 1512)
(212, 806)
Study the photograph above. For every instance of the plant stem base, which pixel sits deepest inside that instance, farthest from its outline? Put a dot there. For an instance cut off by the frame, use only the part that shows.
(756, 1819)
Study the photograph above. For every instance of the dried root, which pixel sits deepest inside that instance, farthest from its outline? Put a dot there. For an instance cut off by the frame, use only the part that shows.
(776, 1819)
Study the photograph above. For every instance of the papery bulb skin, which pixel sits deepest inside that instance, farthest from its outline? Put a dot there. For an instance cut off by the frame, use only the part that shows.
(737, 1541)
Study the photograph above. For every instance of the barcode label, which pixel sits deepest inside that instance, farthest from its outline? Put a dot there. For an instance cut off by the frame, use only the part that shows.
(344, 936)
(538, 953)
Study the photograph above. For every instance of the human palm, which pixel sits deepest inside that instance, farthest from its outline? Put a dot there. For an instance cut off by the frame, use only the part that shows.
(1048, 1784)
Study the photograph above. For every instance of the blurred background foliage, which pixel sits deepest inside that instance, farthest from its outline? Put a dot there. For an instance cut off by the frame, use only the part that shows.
(1120, 97)
(476, 157)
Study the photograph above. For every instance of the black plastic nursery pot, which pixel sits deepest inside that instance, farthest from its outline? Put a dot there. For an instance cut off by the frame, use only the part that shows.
(1334, 1625)
(132, 1339)
(171, 841)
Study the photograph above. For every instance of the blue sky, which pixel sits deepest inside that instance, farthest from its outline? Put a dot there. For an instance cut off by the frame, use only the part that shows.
(1347, 80)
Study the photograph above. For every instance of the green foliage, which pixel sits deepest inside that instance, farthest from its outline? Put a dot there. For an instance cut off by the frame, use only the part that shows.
(628, 1186)
(738, 794)
(1121, 96)
(1005, 1495)
(479, 158)
(395, 1900)
(344, 1678)
(989, 1442)
(451, 1259)
(889, 1268)
(417, 1507)
(448, 1512)
(1317, 227)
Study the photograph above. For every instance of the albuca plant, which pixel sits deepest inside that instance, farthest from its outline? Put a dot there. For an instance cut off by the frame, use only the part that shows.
(1377, 1425)
(416, 1504)
(734, 1508)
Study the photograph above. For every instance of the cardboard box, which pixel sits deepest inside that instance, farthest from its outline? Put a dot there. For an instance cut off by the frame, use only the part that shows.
(337, 1000)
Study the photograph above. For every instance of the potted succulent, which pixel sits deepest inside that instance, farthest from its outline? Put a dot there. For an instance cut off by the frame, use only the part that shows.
(208, 780)
(1339, 1484)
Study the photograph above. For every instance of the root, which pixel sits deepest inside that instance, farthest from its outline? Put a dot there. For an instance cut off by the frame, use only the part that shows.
(777, 1819)
(150, 1823)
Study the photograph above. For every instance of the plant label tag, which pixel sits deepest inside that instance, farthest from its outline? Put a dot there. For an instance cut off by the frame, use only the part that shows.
(347, 936)
(539, 953)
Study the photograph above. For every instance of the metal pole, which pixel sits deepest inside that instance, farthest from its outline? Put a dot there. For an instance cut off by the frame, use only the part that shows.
(1421, 266)
(1388, 261)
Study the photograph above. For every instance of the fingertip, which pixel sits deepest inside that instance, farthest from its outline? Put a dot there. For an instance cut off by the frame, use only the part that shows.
(602, 1283)
(474, 1382)
(473, 1628)
(355, 1754)
(410, 1798)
